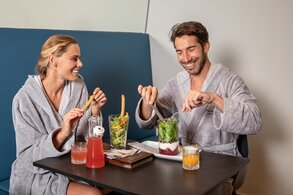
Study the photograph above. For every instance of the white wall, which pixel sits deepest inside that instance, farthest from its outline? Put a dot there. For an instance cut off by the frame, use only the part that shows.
(254, 39)
(97, 15)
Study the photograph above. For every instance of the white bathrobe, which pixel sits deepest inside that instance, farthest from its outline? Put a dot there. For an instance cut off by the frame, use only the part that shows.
(213, 130)
(35, 122)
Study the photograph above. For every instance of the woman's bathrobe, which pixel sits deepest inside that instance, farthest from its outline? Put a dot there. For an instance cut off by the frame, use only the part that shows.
(35, 122)
(207, 126)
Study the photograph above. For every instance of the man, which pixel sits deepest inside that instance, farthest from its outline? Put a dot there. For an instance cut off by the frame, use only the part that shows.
(214, 104)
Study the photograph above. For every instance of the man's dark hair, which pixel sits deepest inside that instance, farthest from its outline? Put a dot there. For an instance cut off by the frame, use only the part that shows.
(190, 28)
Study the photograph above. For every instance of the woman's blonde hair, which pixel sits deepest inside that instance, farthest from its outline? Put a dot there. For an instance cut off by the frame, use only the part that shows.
(57, 45)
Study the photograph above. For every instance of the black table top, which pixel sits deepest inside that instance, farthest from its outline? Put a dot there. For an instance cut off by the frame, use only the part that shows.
(157, 177)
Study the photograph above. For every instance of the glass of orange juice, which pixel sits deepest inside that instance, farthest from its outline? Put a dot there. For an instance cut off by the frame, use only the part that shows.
(191, 157)
(78, 152)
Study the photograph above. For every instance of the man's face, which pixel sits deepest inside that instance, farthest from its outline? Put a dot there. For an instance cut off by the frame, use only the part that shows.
(191, 55)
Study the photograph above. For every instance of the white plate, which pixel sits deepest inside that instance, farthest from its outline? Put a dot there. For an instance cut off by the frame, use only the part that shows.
(154, 145)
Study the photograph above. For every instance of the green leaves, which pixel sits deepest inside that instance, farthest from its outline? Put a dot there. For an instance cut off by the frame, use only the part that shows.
(118, 130)
(168, 131)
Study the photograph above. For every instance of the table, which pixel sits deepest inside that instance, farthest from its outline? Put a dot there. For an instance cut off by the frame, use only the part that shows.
(157, 177)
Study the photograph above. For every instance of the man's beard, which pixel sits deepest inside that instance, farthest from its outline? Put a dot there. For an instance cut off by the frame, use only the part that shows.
(198, 70)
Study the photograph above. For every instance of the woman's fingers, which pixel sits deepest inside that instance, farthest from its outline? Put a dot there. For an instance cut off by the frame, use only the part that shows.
(100, 97)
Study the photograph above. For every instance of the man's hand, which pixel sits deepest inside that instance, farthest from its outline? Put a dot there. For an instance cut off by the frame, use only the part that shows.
(196, 99)
(149, 96)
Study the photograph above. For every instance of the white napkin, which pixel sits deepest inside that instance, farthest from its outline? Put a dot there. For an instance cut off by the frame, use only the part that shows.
(120, 153)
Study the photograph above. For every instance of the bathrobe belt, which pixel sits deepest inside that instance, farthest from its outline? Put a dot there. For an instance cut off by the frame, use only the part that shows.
(220, 147)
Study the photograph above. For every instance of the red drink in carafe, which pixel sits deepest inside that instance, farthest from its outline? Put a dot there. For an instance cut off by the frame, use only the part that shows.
(95, 153)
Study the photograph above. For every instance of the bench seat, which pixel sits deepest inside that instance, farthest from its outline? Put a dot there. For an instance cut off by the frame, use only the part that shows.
(114, 61)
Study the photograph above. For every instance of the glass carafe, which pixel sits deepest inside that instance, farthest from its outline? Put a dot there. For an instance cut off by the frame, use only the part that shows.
(95, 150)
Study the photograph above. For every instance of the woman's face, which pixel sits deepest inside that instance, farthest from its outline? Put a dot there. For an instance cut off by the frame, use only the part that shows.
(69, 63)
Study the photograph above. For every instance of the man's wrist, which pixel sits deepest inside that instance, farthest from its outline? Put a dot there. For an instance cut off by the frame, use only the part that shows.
(145, 110)
(217, 101)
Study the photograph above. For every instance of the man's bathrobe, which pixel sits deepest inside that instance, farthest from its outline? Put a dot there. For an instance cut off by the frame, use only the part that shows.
(35, 122)
(213, 130)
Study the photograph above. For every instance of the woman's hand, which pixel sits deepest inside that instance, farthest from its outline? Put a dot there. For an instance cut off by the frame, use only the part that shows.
(98, 101)
(70, 120)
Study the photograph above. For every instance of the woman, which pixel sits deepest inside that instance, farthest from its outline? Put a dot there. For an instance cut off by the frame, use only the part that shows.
(46, 111)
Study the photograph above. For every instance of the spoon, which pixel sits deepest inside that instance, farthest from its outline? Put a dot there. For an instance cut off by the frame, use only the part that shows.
(175, 115)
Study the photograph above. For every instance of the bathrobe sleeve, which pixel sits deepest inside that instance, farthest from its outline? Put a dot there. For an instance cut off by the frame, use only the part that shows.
(36, 122)
(241, 113)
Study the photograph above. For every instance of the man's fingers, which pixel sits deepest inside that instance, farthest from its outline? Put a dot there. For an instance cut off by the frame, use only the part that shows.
(185, 107)
(148, 93)
(139, 89)
(154, 94)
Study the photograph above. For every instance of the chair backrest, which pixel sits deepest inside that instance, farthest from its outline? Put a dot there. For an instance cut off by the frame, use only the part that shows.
(239, 178)
(243, 145)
